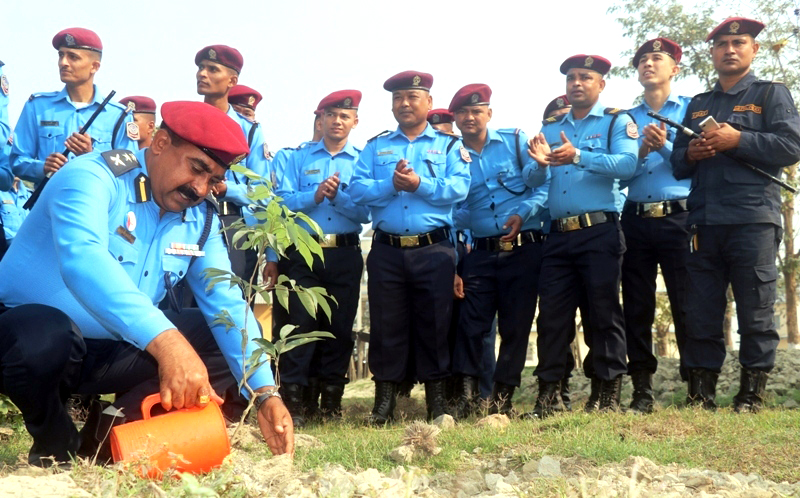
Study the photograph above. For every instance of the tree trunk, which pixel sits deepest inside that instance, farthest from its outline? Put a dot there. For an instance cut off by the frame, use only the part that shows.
(662, 340)
(727, 323)
(790, 263)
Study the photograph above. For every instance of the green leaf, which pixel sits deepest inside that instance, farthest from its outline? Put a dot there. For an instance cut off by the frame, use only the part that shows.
(288, 346)
(286, 330)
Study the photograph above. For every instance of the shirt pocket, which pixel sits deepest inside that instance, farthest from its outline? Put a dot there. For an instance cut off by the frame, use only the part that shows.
(385, 165)
(595, 145)
(435, 166)
(310, 179)
(51, 139)
(123, 251)
(101, 138)
(746, 121)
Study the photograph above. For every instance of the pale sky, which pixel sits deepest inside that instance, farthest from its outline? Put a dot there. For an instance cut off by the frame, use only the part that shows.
(295, 53)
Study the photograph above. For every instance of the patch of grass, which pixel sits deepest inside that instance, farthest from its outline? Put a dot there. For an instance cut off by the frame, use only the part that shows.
(17, 445)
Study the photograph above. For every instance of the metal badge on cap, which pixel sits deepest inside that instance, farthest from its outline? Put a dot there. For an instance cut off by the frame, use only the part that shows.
(560, 102)
(212, 54)
(436, 118)
(348, 102)
(474, 98)
(251, 100)
(70, 39)
(589, 61)
(131, 106)
(734, 28)
(657, 46)
(416, 80)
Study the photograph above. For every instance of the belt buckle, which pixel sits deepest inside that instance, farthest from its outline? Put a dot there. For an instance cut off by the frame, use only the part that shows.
(327, 241)
(409, 241)
(570, 224)
(655, 210)
(506, 245)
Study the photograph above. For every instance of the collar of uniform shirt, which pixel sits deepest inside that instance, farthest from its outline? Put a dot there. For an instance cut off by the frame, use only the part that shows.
(428, 132)
(747, 80)
(491, 136)
(98, 97)
(673, 97)
(597, 110)
(320, 146)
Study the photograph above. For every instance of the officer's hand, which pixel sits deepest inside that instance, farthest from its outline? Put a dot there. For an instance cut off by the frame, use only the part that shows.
(458, 287)
(724, 138)
(513, 224)
(270, 274)
(539, 149)
(183, 377)
(406, 180)
(276, 426)
(322, 192)
(564, 154)
(78, 143)
(698, 150)
(53, 163)
(220, 189)
(654, 136)
(333, 186)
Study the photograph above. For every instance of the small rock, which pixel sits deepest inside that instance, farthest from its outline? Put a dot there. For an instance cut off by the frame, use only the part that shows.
(402, 454)
(549, 467)
(530, 467)
(699, 482)
(492, 480)
(444, 421)
(511, 478)
(790, 404)
(496, 421)
(307, 441)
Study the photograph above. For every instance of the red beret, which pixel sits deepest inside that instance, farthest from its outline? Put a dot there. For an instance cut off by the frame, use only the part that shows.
(557, 103)
(343, 99)
(208, 128)
(474, 94)
(138, 103)
(665, 45)
(221, 54)
(438, 116)
(583, 61)
(737, 26)
(409, 80)
(244, 95)
(78, 38)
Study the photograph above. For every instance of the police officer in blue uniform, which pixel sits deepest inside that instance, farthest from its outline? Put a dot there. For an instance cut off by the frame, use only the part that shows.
(108, 239)
(654, 220)
(410, 179)
(143, 110)
(218, 68)
(244, 100)
(734, 214)
(501, 273)
(50, 121)
(6, 176)
(587, 151)
(12, 212)
(317, 182)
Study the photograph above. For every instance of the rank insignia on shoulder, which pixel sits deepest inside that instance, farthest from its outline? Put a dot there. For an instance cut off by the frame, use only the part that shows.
(632, 130)
(465, 155)
(4, 84)
(612, 110)
(120, 161)
(126, 234)
(141, 185)
(132, 130)
(178, 249)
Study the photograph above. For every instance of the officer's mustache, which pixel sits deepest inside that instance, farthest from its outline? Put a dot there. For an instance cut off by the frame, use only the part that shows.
(189, 193)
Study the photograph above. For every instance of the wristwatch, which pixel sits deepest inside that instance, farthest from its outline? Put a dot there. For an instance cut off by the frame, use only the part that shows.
(577, 158)
(262, 397)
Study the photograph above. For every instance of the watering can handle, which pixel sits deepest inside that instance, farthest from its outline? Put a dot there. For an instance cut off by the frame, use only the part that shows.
(149, 402)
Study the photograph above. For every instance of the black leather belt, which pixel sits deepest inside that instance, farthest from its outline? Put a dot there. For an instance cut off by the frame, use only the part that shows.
(495, 244)
(584, 220)
(407, 241)
(656, 209)
(229, 209)
(337, 240)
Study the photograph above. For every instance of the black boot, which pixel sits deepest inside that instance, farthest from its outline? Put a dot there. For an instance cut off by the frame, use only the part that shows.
(404, 388)
(702, 388)
(547, 401)
(466, 400)
(501, 399)
(610, 391)
(593, 403)
(96, 432)
(642, 400)
(383, 411)
(752, 385)
(435, 399)
(293, 397)
(330, 406)
(565, 395)
(311, 399)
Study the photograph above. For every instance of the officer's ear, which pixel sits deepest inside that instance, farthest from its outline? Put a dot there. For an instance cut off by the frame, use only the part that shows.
(756, 46)
(602, 83)
(234, 80)
(355, 120)
(430, 102)
(161, 140)
(489, 113)
(675, 70)
(95, 63)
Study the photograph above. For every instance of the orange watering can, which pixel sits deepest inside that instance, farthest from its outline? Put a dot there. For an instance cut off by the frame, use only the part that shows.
(190, 440)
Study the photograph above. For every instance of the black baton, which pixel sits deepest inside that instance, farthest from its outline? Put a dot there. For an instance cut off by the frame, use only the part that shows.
(691, 133)
(35, 196)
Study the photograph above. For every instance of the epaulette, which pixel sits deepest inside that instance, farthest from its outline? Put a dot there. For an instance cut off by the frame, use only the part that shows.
(305, 144)
(553, 119)
(117, 105)
(42, 94)
(510, 131)
(613, 110)
(385, 132)
(120, 161)
(2, 63)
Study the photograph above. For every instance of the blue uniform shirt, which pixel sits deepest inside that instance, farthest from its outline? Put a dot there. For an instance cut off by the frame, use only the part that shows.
(444, 181)
(304, 172)
(497, 190)
(256, 161)
(277, 165)
(6, 176)
(108, 281)
(653, 180)
(11, 212)
(48, 119)
(592, 184)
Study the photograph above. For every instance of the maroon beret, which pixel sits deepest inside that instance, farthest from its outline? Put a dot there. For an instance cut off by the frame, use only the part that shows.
(138, 103)
(438, 116)
(343, 99)
(78, 38)
(208, 128)
(244, 95)
(737, 26)
(474, 94)
(409, 80)
(583, 61)
(557, 103)
(221, 54)
(665, 45)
